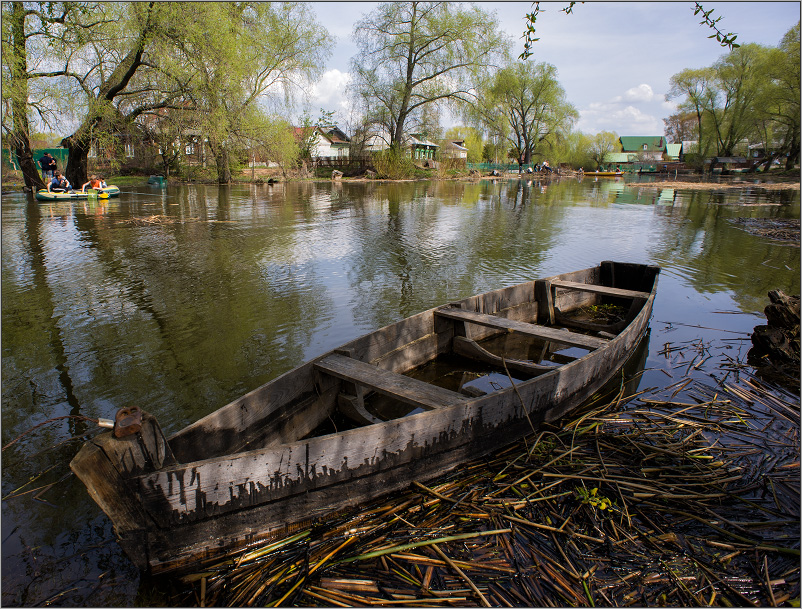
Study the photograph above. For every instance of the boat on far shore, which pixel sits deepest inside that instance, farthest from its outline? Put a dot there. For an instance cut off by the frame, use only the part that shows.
(605, 174)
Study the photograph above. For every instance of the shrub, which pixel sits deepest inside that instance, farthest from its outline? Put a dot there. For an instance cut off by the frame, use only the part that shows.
(393, 165)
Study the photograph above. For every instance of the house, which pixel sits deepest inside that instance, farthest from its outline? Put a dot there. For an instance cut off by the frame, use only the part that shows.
(332, 143)
(673, 152)
(419, 148)
(416, 145)
(455, 149)
(649, 147)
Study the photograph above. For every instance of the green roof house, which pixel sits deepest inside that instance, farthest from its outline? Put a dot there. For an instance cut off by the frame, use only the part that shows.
(673, 151)
(645, 146)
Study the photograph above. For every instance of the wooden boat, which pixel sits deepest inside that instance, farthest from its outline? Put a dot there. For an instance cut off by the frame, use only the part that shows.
(102, 193)
(243, 473)
(605, 174)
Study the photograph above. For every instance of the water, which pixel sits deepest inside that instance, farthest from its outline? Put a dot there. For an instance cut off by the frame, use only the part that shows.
(181, 299)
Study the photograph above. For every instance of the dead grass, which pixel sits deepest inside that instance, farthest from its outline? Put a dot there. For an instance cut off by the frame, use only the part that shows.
(715, 185)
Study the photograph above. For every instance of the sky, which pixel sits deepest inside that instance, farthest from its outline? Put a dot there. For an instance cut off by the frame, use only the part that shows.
(614, 59)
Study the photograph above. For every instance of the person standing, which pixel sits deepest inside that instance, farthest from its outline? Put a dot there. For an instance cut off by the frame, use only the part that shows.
(48, 165)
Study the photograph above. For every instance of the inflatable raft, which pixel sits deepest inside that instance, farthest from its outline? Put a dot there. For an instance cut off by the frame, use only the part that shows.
(101, 193)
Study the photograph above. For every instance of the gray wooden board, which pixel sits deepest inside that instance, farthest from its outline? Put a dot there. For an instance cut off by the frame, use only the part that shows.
(598, 289)
(565, 337)
(392, 384)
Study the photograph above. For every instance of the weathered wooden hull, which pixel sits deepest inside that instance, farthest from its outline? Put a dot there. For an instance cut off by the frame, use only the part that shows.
(246, 471)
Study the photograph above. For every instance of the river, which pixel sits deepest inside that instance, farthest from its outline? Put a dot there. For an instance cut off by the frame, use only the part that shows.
(180, 299)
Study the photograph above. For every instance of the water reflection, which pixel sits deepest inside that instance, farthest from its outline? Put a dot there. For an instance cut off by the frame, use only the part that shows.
(180, 299)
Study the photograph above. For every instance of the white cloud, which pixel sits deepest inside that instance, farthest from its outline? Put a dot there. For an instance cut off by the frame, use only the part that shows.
(329, 91)
(641, 93)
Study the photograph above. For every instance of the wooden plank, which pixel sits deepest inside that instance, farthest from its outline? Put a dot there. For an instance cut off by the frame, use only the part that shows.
(598, 289)
(398, 386)
(566, 337)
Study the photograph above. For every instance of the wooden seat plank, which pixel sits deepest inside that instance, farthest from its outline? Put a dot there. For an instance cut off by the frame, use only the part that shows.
(598, 289)
(403, 388)
(565, 337)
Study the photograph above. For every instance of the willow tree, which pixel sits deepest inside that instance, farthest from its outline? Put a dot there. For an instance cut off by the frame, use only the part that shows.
(415, 54)
(692, 87)
(233, 55)
(526, 103)
(781, 99)
(34, 36)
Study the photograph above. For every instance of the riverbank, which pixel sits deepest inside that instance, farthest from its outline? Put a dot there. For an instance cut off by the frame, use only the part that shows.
(779, 180)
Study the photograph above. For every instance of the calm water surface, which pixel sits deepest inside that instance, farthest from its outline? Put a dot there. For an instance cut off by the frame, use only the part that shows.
(181, 299)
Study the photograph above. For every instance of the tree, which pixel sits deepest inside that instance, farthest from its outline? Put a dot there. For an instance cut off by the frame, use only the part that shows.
(781, 102)
(680, 127)
(694, 86)
(601, 145)
(415, 54)
(101, 66)
(31, 34)
(473, 141)
(526, 104)
(731, 103)
(234, 55)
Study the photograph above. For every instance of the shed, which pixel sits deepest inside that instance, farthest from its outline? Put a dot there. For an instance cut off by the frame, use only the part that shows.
(673, 152)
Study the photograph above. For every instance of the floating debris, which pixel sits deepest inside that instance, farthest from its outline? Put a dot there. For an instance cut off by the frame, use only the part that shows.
(684, 495)
(771, 228)
(740, 184)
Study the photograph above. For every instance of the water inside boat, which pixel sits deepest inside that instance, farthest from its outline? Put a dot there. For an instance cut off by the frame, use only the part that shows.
(468, 376)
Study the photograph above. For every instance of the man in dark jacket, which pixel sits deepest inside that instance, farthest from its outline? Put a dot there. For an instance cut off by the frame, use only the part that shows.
(48, 165)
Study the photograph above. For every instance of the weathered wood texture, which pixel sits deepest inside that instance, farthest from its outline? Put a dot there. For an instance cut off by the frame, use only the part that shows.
(597, 289)
(563, 336)
(392, 384)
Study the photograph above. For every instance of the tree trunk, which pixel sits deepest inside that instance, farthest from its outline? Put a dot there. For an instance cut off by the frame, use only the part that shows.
(221, 159)
(793, 156)
(78, 148)
(19, 100)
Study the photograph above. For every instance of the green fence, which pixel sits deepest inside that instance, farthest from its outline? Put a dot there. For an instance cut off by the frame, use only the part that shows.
(60, 154)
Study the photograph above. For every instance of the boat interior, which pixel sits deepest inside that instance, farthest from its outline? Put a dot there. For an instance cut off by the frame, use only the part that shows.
(438, 358)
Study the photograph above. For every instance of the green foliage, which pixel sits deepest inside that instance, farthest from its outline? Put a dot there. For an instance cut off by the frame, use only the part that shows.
(726, 40)
(473, 141)
(393, 165)
(601, 145)
(593, 498)
(412, 55)
(524, 104)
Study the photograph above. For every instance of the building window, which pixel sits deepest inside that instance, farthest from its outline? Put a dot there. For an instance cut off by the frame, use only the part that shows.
(646, 146)
(129, 151)
(92, 152)
(190, 149)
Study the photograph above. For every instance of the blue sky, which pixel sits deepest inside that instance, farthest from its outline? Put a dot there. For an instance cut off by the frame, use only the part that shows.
(614, 59)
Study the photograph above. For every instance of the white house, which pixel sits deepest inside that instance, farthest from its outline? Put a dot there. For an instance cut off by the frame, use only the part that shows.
(327, 144)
